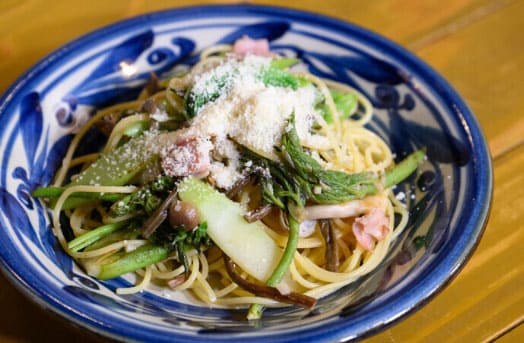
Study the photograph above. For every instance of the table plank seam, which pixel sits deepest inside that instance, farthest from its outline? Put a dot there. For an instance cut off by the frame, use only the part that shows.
(458, 24)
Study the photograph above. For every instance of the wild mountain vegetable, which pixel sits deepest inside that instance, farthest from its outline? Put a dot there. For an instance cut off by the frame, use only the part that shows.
(55, 192)
(115, 168)
(345, 103)
(128, 232)
(301, 178)
(182, 240)
(266, 291)
(146, 199)
(163, 242)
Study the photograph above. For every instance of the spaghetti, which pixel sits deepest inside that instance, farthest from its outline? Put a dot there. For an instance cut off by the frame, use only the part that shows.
(213, 123)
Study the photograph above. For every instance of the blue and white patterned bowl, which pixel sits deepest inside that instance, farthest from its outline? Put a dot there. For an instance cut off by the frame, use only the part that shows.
(415, 107)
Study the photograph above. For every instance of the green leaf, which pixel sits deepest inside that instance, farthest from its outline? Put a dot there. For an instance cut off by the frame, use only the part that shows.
(283, 63)
(301, 178)
(345, 103)
(196, 100)
(144, 200)
(279, 78)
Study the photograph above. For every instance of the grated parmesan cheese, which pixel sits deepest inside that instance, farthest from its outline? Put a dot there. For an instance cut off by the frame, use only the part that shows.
(247, 112)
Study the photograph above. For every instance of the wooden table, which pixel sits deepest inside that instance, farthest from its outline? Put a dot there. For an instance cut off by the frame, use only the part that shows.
(478, 45)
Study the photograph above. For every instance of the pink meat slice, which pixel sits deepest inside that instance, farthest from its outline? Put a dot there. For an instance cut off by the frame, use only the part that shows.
(371, 228)
(188, 156)
(246, 45)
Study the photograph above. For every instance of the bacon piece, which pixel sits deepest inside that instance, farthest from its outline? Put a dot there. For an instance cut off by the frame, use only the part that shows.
(188, 156)
(177, 281)
(371, 228)
(246, 45)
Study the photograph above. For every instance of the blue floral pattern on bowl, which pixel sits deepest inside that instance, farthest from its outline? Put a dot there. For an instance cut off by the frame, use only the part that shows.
(414, 108)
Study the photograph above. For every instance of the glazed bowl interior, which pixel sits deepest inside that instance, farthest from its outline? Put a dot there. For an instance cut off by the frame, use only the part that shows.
(414, 108)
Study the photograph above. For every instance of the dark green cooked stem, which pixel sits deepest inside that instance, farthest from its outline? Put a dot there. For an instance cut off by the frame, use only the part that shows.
(255, 310)
(94, 235)
(132, 261)
(55, 192)
(48, 192)
(396, 174)
(287, 256)
(404, 168)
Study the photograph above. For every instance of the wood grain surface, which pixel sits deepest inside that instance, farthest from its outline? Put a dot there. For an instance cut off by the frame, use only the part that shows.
(477, 45)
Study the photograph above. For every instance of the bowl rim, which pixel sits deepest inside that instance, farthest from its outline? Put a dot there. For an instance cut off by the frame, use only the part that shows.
(483, 192)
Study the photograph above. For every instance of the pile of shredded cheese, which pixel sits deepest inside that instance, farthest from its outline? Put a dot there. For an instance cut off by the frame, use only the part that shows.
(248, 113)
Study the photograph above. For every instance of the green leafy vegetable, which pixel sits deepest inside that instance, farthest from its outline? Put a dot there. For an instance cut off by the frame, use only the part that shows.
(195, 239)
(196, 100)
(146, 199)
(279, 78)
(182, 241)
(283, 63)
(301, 178)
(345, 103)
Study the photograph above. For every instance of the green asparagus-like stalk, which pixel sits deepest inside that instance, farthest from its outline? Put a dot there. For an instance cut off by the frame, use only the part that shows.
(404, 168)
(55, 192)
(48, 192)
(255, 310)
(128, 233)
(129, 262)
(94, 235)
(345, 103)
(283, 63)
(287, 256)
